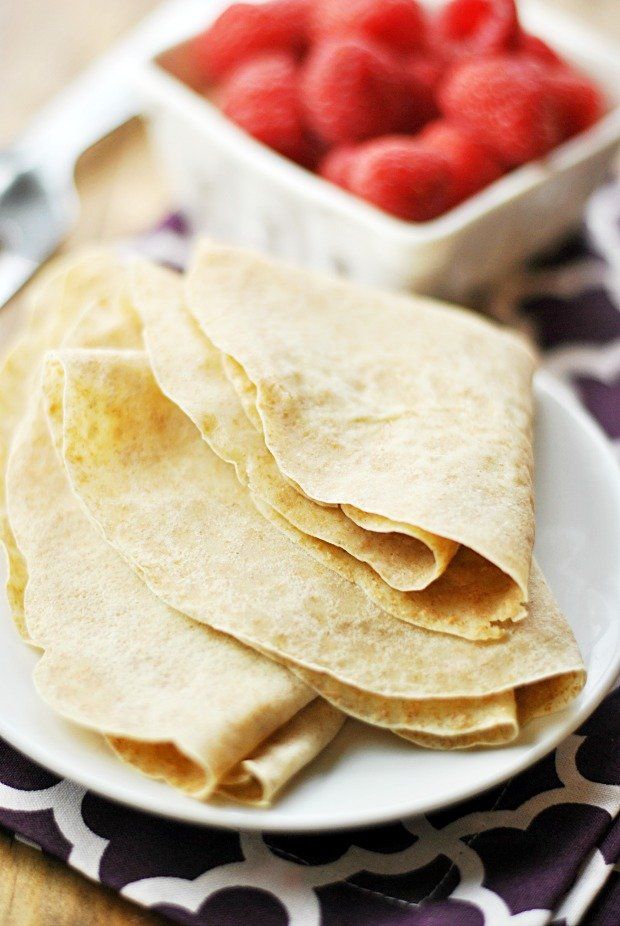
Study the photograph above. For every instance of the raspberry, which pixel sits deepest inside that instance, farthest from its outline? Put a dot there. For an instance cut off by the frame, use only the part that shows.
(580, 103)
(400, 24)
(507, 105)
(400, 176)
(336, 166)
(424, 74)
(262, 96)
(472, 165)
(245, 30)
(311, 153)
(467, 28)
(353, 89)
(530, 46)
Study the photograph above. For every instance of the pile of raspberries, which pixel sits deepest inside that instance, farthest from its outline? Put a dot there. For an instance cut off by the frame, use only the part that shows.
(411, 110)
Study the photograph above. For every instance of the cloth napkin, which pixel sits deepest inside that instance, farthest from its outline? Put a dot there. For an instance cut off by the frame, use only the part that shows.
(542, 848)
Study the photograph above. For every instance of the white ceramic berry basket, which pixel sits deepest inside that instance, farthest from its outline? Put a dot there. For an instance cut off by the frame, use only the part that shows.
(240, 191)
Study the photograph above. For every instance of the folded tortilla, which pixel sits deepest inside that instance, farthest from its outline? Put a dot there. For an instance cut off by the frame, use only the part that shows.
(179, 516)
(189, 371)
(62, 292)
(175, 699)
(411, 418)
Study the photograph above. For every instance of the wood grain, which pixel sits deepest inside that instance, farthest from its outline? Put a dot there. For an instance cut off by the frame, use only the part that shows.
(37, 890)
(43, 45)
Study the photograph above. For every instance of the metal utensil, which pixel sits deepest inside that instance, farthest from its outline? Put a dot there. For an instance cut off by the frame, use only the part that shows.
(38, 199)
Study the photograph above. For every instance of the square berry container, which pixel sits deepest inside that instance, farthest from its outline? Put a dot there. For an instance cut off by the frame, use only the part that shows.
(239, 191)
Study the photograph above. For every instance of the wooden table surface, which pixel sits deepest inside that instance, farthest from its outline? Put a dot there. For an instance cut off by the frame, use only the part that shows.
(43, 45)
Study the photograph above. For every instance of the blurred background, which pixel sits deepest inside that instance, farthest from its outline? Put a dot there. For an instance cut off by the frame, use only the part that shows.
(44, 44)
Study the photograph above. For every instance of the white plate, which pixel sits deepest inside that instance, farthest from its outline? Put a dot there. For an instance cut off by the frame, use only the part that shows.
(368, 776)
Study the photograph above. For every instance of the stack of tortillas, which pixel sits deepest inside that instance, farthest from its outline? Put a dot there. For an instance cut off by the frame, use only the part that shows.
(246, 502)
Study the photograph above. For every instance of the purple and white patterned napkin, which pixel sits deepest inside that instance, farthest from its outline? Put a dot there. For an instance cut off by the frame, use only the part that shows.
(541, 849)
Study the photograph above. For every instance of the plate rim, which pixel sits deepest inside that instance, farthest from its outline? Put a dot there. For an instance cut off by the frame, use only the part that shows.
(247, 819)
